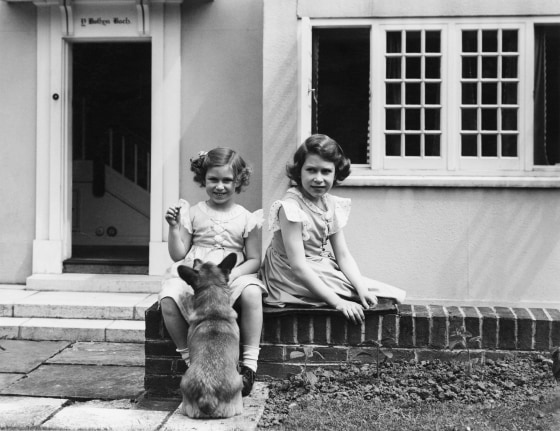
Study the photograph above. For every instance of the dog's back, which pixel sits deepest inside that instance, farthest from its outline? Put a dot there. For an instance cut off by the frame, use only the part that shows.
(211, 387)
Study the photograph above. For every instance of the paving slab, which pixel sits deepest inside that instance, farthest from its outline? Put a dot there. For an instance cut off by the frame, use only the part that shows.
(6, 379)
(22, 356)
(79, 417)
(101, 353)
(25, 412)
(253, 407)
(80, 382)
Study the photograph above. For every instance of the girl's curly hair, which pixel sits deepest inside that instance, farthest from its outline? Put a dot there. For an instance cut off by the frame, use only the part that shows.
(221, 156)
(326, 148)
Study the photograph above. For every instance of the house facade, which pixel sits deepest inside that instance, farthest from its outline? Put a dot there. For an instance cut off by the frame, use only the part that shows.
(448, 110)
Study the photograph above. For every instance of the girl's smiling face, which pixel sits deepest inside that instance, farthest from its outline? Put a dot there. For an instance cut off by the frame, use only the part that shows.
(220, 186)
(317, 177)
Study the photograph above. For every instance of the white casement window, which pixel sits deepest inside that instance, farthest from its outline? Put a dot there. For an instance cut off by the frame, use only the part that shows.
(466, 97)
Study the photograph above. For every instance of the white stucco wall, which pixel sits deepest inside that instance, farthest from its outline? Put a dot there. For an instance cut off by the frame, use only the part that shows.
(494, 246)
(222, 87)
(17, 139)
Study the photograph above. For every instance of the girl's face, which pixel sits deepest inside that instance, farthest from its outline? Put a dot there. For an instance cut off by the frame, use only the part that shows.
(220, 186)
(317, 177)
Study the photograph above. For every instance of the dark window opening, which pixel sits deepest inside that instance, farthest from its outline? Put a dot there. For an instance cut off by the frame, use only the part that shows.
(547, 95)
(341, 100)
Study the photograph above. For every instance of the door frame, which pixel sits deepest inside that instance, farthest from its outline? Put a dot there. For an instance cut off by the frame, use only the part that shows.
(57, 28)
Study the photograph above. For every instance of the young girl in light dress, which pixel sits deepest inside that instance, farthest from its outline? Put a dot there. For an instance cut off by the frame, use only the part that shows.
(209, 231)
(298, 267)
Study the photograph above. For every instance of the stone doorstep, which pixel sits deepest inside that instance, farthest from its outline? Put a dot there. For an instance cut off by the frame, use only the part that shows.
(116, 331)
(115, 283)
(75, 305)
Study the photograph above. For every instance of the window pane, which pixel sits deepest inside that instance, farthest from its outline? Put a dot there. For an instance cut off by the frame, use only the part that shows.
(413, 41)
(509, 145)
(432, 119)
(489, 119)
(394, 42)
(468, 94)
(433, 67)
(341, 77)
(468, 146)
(470, 41)
(432, 145)
(469, 67)
(393, 145)
(394, 68)
(432, 95)
(412, 119)
(509, 119)
(490, 94)
(509, 93)
(393, 119)
(412, 92)
(412, 145)
(393, 94)
(468, 119)
(509, 67)
(509, 41)
(489, 146)
(489, 40)
(413, 67)
(433, 41)
(489, 67)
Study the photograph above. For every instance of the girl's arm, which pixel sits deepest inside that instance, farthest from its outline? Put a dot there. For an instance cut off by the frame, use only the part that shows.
(252, 256)
(293, 243)
(179, 239)
(350, 268)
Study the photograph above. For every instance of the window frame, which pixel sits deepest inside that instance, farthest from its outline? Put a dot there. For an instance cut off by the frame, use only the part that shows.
(453, 170)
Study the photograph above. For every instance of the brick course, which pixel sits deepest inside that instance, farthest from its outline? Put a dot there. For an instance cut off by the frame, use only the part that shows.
(419, 332)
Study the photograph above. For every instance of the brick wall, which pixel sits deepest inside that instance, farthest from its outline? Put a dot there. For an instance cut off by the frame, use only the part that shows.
(418, 332)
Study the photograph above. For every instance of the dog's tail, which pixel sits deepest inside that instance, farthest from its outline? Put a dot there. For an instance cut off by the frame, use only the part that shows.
(207, 404)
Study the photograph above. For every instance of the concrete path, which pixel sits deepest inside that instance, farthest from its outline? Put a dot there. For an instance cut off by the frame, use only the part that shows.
(60, 385)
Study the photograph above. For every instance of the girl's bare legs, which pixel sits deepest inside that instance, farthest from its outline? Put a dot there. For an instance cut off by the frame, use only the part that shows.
(176, 326)
(250, 327)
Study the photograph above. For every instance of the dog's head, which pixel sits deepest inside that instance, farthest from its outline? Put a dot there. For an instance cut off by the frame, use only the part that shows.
(208, 274)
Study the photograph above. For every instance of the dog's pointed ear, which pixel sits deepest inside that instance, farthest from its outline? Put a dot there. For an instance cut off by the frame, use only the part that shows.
(188, 274)
(197, 263)
(228, 263)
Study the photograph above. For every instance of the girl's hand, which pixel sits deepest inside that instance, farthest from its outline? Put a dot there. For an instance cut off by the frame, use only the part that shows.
(369, 300)
(351, 310)
(172, 215)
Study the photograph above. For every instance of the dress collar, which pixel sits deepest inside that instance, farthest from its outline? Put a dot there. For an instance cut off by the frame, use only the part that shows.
(309, 204)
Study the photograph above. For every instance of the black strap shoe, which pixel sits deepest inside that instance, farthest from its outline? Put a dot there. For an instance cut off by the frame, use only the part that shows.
(248, 377)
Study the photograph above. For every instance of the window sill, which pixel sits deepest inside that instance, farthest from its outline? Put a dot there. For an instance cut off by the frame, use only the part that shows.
(361, 180)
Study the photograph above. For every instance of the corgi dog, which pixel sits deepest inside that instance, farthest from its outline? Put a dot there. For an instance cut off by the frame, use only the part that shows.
(211, 386)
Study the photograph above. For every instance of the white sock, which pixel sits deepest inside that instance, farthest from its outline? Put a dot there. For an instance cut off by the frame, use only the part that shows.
(185, 355)
(250, 356)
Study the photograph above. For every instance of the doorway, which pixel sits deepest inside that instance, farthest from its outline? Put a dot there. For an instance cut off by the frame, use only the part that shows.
(111, 157)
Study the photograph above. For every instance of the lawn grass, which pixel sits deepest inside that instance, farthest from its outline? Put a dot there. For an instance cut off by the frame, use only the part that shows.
(359, 414)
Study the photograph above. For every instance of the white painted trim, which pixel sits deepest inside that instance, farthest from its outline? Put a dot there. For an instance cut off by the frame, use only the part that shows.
(305, 79)
(52, 242)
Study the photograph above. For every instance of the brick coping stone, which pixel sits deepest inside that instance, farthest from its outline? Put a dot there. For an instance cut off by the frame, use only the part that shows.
(416, 332)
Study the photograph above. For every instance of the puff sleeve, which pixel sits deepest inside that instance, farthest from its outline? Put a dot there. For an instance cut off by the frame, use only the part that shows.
(342, 208)
(293, 213)
(254, 220)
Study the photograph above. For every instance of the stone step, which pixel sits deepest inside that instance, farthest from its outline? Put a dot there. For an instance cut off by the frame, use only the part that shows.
(83, 282)
(38, 329)
(73, 316)
(75, 305)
